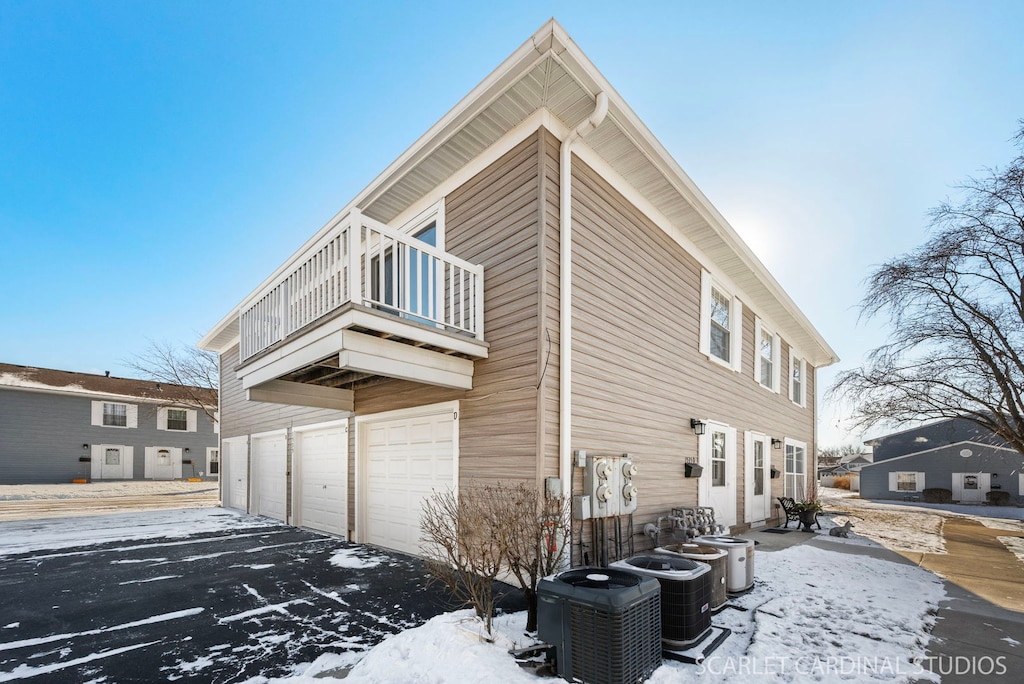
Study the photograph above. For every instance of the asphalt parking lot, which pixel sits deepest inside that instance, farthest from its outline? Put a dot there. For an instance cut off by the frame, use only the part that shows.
(216, 605)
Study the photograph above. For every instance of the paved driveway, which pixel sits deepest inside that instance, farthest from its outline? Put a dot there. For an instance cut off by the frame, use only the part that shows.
(199, 595)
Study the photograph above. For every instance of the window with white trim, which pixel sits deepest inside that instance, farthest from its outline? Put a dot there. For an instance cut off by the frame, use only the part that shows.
(906, 481)
(721, 323)
(114, 414)
(796, 470)
(175, 419)
(797, 379)
(766, 356)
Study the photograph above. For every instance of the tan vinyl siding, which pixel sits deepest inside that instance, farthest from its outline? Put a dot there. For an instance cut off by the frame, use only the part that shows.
(638, 375)
(492, 220)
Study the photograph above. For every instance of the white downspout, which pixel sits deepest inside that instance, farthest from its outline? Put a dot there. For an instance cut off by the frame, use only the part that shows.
(565, 288)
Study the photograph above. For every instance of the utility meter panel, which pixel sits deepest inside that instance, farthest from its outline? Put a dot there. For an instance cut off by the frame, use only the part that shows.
(627, 490)
(600, 482)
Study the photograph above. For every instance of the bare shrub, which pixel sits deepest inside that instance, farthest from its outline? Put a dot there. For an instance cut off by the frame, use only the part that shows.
(469, 538)
(842, 482)
(460, 547)
(534, 536)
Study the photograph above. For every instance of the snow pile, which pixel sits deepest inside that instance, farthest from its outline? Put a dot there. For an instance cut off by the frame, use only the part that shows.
(1014, 545)
(356, 559)
(813, 614)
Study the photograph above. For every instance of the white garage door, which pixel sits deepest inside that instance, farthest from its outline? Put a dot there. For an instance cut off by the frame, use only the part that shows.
(322, 479)
(269, 458)
(404, 460)
(235, 478)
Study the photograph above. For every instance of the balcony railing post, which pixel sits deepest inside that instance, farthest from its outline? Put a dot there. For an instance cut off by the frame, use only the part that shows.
(478, 302)
(352, 256)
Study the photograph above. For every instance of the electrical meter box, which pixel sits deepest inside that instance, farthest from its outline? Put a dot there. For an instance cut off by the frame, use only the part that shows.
(599, 483)
(608, 481)
(627, 490)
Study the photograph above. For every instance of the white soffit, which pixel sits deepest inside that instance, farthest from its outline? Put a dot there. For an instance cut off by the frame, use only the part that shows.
(549, 71)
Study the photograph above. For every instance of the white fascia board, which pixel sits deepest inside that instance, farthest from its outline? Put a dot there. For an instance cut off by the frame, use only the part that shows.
(210, 342)
(517, 64)
(940, 448)
(552, 39)
(577, 63)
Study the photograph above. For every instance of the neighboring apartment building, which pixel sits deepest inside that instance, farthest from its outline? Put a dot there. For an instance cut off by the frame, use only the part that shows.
(955, 454)
(534, 277)
(59, 426)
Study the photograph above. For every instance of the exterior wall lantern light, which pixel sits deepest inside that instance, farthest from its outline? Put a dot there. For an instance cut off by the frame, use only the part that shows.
(697, 425)
(776, 443)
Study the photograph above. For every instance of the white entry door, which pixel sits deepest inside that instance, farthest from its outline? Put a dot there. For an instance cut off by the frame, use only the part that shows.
(758, 484)
(269, 460)
(163, 463)
(321, 481)
(971, 487)
(402, 460)
(112, 462)
(717, 487)
(235, 478)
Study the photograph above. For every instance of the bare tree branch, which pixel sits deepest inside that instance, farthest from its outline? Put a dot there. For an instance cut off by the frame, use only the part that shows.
(956, 307)
(196, 373)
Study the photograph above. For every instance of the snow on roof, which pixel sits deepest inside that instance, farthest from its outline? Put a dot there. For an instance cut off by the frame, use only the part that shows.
(51, 380)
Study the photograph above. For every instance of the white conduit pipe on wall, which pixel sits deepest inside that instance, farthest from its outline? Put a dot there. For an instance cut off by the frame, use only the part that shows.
(565, 288)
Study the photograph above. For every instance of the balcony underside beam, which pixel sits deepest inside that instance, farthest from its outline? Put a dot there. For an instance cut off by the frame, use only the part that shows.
(361, 353)
(302, 394)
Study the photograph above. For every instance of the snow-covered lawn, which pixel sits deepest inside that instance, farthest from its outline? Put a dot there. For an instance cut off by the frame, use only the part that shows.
(913, 526)
(100, 490)
(813, 615)
(53, 534)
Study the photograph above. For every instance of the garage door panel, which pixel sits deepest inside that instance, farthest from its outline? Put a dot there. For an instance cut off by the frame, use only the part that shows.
(270, 459)
(322, 495)
(236, 475)
(416, 458)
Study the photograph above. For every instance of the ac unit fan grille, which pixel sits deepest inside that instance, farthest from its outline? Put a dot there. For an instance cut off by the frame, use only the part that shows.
(614, 648)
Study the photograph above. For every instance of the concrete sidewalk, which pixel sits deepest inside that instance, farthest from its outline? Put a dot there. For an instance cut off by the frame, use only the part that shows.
(974, 640)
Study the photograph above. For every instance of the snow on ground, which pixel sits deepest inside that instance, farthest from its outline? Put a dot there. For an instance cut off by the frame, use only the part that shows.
(914, 526)
(99, 490)
(1015, 545)
(813, 614)
(25, 536)
(358, 558)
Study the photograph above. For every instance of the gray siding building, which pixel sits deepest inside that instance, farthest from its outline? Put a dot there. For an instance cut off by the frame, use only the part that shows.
(951, 454)
(58, 426)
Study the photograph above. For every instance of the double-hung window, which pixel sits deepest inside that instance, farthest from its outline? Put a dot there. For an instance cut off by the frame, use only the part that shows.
(796, 470)
(721, 323)
(114, 414)
(177, 419)
(766, 357)
(905, 481)
(797, 379)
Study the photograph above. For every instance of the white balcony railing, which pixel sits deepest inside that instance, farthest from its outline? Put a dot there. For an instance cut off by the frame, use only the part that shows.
(366, 262)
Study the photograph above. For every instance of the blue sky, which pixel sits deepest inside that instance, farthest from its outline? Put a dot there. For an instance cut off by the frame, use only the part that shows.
(158, 159)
